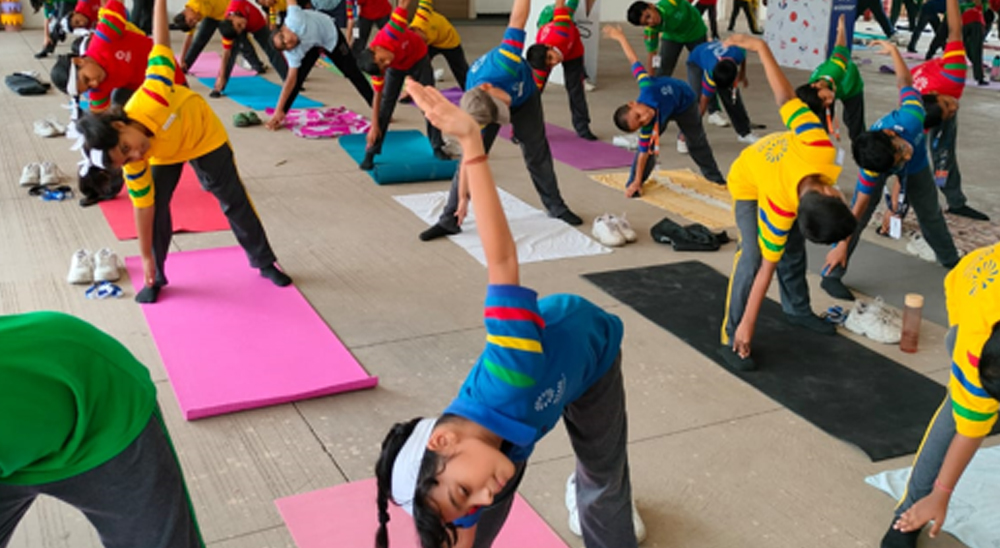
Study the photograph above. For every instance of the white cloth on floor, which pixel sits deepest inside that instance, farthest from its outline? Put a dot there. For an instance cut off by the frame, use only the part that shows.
(538, 236)
(975, 504)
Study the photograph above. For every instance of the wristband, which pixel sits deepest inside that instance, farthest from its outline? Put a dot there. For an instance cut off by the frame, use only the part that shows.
(477, 160)
(939, 485)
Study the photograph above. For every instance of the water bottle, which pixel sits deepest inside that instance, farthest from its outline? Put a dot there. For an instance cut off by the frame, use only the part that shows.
(914, 304)
(995, 69)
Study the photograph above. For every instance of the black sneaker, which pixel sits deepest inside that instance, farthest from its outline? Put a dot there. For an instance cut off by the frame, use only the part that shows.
(437, 231)
(966, 211)
(570, 218)
(898, 539)
(215, 94)
(43, 54)
(836, 289)
(406, 100)
(734, 361)
(369, 162)
(812, 322)
(588, 135)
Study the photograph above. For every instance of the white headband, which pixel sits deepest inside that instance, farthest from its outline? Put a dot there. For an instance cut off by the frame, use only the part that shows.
(71, 88)
(407, 466)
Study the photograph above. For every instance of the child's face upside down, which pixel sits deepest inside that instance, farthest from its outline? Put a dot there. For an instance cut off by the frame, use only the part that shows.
(474, 472)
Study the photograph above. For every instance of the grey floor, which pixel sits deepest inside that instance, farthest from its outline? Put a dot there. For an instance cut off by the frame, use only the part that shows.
(714, 462)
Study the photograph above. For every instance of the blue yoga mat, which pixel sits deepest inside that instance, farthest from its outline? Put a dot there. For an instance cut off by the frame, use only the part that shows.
(258, 93)
(407, 157)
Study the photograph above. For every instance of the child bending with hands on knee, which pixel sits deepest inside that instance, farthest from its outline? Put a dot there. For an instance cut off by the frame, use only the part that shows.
(558, 356)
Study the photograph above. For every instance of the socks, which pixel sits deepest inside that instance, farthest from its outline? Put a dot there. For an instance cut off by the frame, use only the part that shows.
(148, 294)
(276, 276)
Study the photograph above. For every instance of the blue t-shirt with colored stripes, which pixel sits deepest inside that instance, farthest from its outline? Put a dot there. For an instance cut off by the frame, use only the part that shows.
(705, 56)
(907, 121)
(664, 94)
(504, 68)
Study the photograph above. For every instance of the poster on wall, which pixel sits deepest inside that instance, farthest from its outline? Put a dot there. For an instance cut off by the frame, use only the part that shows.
(797, 31)
(588, 21)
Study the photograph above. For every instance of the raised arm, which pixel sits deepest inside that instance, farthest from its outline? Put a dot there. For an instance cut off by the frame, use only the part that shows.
(842, 33)
(519, 14)
(903, 76)
(780, 86)
(161, 24)
(614, 32)
(953, 14)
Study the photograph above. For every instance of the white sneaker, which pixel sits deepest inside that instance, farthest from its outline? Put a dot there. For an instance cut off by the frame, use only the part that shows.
(50, 174)
(81, 268)
(606, 231)
(870, 321)
(245, 64)
(918, 246)
(748, 139)
(106, 266)
(452, 148)
(624, 227)
(890, 315)
(717, 119)
(588, 86)
(629, 141)
(682, 146)
(30, 175)
(438, 75)
(574, 514)
(45, 128)
(59, 128)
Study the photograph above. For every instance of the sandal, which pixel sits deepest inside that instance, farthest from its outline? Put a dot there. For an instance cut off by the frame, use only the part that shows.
(103, 290)
(241, 120)
(253, 119)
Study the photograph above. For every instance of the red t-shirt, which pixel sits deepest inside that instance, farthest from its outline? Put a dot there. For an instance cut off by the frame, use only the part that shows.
(944, 75)
(562, 34)
(255, 19)
(369, 9)
(973, 15)
(406, 46)
(90, 9)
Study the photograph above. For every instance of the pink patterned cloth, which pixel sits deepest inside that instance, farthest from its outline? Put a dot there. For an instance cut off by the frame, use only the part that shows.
(324, 123)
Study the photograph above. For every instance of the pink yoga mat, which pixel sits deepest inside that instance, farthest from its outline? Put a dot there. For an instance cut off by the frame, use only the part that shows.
(580, 153)
(231, 340)
(207, 66)
(192, 208)
(346, 515)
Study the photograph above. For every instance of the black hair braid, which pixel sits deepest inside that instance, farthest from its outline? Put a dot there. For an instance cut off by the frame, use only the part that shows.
(391, 445)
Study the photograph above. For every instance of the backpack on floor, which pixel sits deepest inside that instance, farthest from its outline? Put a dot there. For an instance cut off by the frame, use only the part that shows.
(693, 237)
(26, 84)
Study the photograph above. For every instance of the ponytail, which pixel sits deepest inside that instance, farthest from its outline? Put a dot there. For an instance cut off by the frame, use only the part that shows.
(391, 445)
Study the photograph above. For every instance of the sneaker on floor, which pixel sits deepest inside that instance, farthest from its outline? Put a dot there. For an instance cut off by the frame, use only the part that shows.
(919, 247)
(748, 139)
(812, 322)
(453, 148)
(625, 227)
(899, 539)
(734, 361)
(865, 319)
(605, 230)
(49, 173)
(570, 218)
(31, 175)
(718, 120)
(835, 288)
(369, 162)
(887, 313)
(588, 135)
(682, 146)
(588, 86)
(437, 231)
(630, 141)
(81, 268)
(106, 266)
(438, 75)
(966, 211)
(574, 514)
(44, 128)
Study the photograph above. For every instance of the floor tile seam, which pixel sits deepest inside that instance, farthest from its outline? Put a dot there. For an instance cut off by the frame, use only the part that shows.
(246, 534)
(369, 345)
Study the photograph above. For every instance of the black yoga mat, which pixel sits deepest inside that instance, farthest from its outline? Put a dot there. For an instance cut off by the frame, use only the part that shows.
(838, 385)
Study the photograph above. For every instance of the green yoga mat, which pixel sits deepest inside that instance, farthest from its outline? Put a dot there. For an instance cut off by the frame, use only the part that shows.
(407, 157)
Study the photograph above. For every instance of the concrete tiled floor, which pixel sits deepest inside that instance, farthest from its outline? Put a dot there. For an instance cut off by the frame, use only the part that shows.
(714, 462)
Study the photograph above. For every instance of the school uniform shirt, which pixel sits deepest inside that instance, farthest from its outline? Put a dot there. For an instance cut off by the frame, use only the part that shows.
(407, 47)
(441, 34)
(972, 293)
(184, 127)
(314, 29)
(90, 8)
(945, 74)
(971, 13)
(561, 33)
(504, 68)
(276, 12)
(679, 22)
(255, 19)
(72, 398)
(841, 73)
(769, 172)
(705, 56)
(908, 122)
(121, 49)
(373, 10)
(665, 95)
(209, 9)
(541, 355)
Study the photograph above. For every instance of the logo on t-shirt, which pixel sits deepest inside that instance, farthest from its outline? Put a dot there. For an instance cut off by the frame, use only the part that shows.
(124, 55)
(774, 149)
(551, 396)
(981, 274)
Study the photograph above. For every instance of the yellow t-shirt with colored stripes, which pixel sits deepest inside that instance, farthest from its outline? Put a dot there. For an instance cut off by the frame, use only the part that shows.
(210, 9)
(184, 127)
(972, 290)
(440, 32)
(769, 171)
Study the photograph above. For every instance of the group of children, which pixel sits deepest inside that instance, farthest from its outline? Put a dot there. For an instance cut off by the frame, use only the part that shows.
(457, 473)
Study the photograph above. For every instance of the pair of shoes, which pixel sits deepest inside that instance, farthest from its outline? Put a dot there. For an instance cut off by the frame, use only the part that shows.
(588, 135)
(44, 173)
(983, 82)
(570, 218)
(734, 361)
(748, 139)
(835, 288)
(85, 268)
(437, 231)
(682, 146)
(49, 128)
(812, 322)
(574, 513)
(613, 231)
(718, 120)
(368, 163)
(246, 119)
(966, 211)
(875, 321)
(919, 247)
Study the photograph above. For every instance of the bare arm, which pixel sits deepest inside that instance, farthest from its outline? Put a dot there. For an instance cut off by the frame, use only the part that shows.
(780, 86)
(519, 14)
(161, 24)
(953, 13)
(841, 33)
(758, 292)
(185, 48)
(934, 506)
(220, 81)
(615, 33)
(702, 104)
(903, 76)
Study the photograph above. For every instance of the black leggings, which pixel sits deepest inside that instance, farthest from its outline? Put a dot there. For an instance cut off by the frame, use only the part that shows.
(342, 59)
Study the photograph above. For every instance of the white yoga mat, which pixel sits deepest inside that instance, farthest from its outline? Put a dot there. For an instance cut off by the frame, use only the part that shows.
(975, 504)
(538, 237)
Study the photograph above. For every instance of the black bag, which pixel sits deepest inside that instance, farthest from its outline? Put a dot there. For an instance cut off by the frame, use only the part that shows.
(693, 237)
(25, 84)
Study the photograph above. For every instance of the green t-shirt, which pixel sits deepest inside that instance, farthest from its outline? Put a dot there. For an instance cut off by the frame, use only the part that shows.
(679, 22)
(71, 397)
(842, 71)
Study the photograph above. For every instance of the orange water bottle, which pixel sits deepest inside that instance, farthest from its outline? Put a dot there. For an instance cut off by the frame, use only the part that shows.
(911, 322)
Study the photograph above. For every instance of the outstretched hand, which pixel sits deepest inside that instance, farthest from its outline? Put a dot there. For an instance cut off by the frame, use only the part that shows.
(932, 508)
(742, 41)
(613, 32)
(885, 47)
(441, 112)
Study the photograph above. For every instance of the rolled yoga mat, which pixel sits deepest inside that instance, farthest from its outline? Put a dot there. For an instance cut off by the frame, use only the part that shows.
(845, 389)
(407, 157)
(257, 93)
